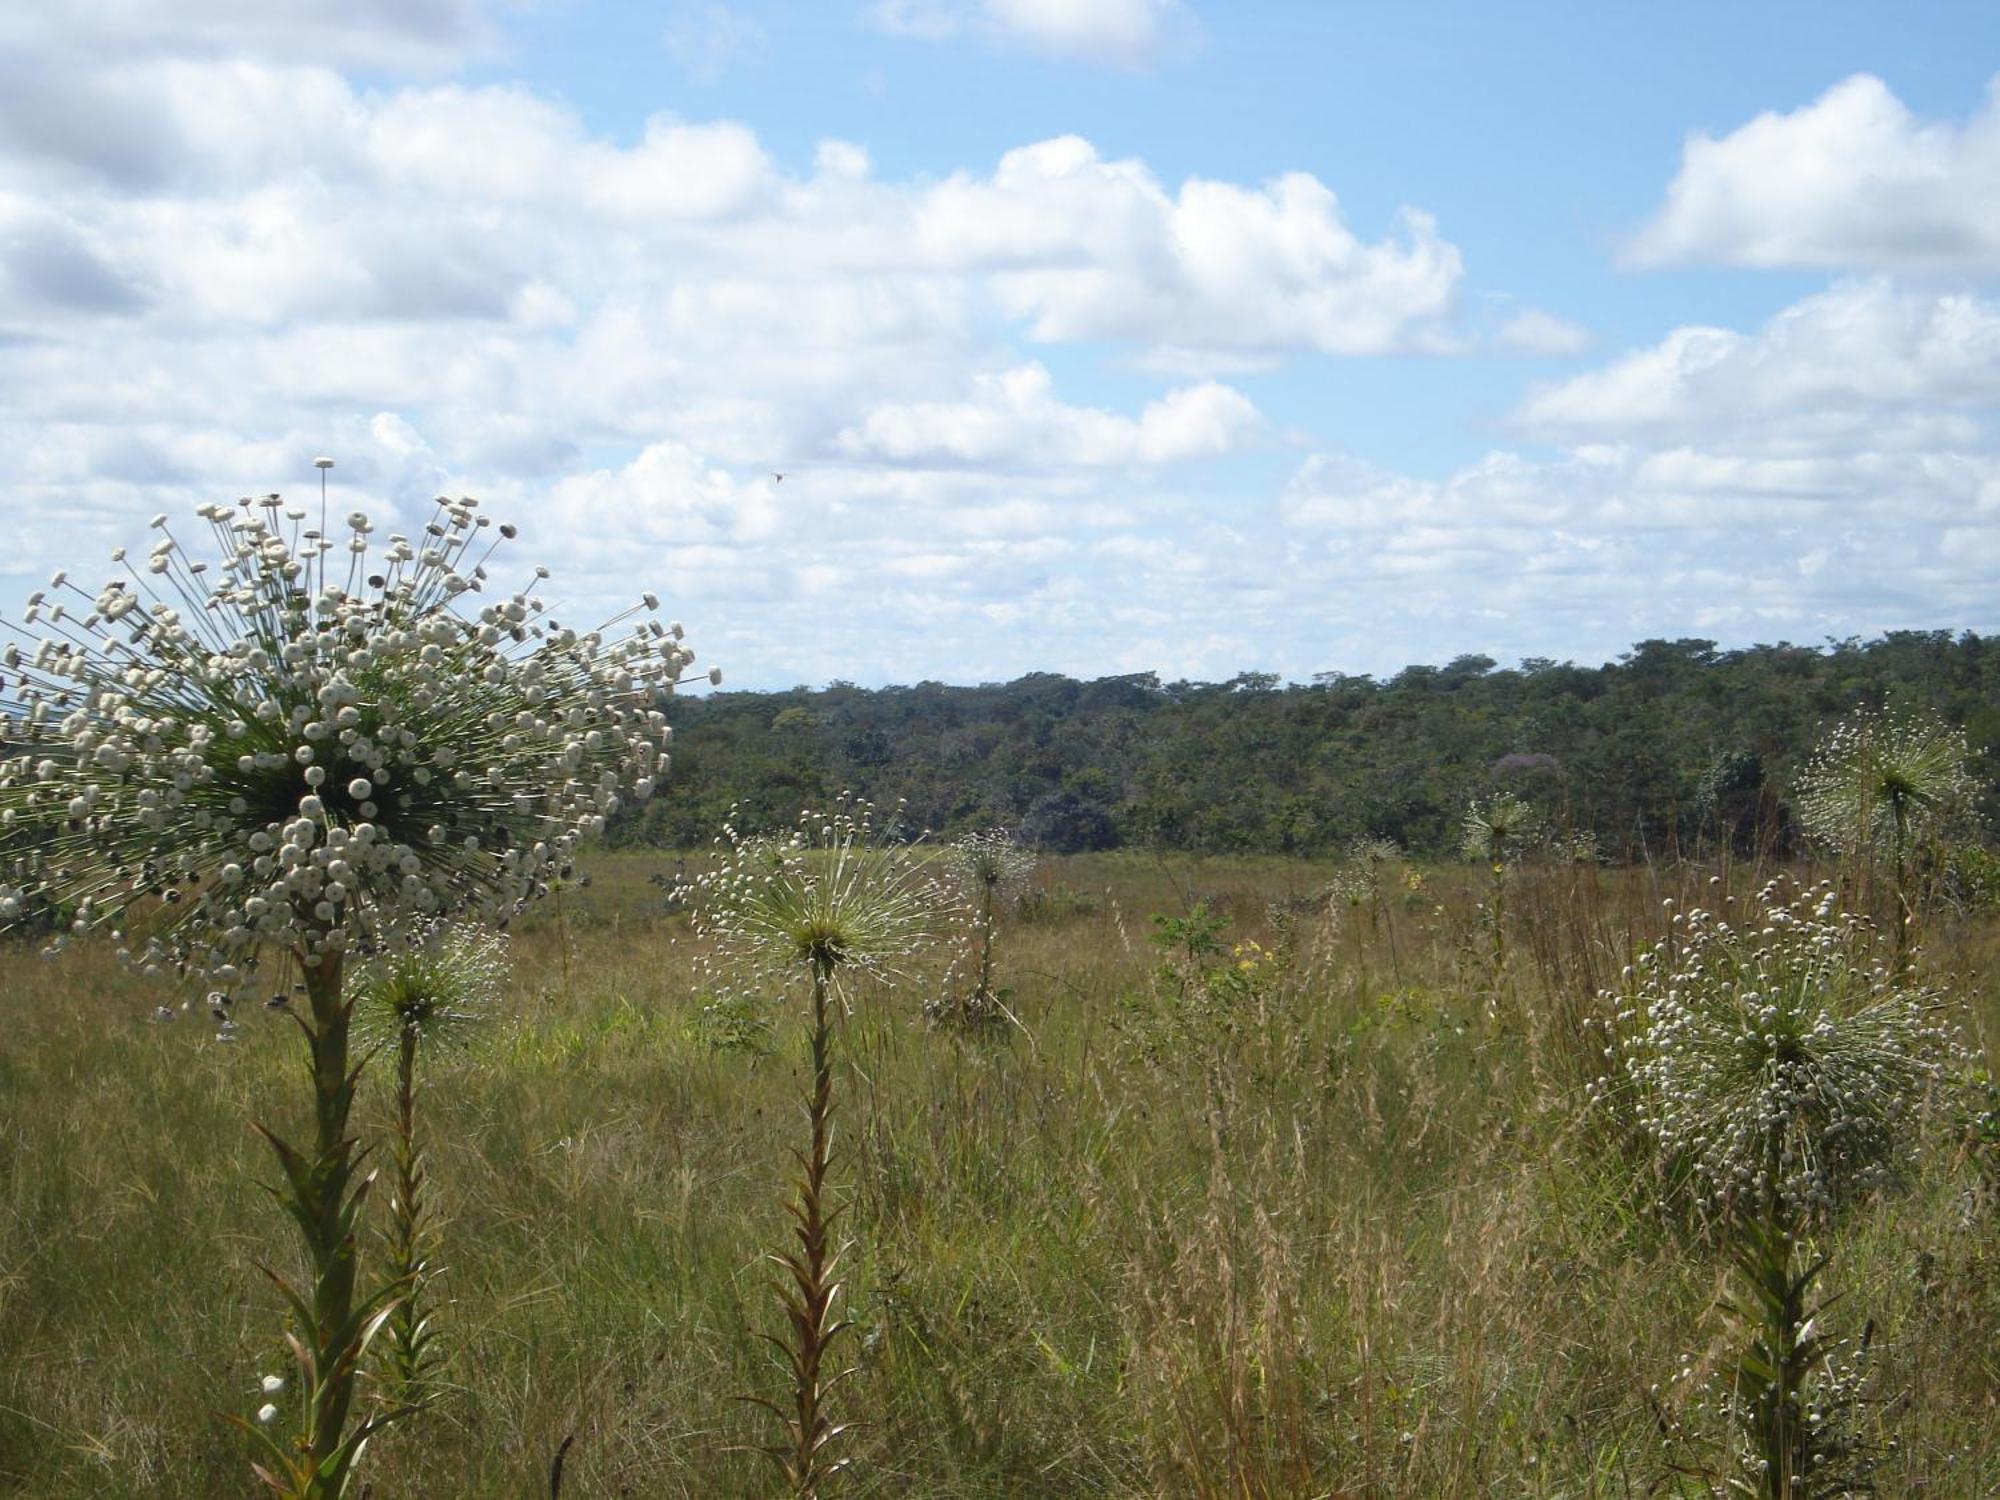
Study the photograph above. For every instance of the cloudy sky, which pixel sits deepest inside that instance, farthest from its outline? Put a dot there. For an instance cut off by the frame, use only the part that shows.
(1089, 335)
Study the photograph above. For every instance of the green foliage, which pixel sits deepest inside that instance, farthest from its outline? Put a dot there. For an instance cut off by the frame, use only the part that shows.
(734, 1021)
(1971, 877)
(1203, 996)
(1191, 938)
(1789, 1396)
(1979, 1129)
(1053, 905)
(1677, 747)
(1323, 1240)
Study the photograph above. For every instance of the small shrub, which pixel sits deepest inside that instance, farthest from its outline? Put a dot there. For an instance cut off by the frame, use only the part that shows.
(734, 1022)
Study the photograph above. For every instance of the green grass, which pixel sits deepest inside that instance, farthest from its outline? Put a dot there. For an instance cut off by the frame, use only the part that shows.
(1352, 1233)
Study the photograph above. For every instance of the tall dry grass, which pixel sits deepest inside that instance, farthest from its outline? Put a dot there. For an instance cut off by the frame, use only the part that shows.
(1340, 1226)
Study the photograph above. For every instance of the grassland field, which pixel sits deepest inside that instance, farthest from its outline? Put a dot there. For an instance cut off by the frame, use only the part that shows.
(1335, 1220)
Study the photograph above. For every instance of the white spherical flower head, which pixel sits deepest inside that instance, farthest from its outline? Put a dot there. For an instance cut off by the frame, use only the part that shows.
(1781, 1062)
(219, 736)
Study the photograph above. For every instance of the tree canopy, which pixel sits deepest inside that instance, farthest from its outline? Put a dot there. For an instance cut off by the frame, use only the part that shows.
(1675, 745)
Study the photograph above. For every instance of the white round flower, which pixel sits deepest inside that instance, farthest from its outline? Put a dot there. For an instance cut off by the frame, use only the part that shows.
(177, 747)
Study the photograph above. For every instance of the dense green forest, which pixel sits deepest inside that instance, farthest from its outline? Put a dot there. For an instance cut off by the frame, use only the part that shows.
(1674, 746)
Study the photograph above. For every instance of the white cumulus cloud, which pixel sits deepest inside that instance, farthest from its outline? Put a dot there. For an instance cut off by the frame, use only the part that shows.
(1853, 180)
(1084, 248)
(1014, 421)
(1864, 364)
(1835, 470)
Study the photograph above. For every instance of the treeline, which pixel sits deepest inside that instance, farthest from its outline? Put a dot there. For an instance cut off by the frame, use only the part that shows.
(1675, 746)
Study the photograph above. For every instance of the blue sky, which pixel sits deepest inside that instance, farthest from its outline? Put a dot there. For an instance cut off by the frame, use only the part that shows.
(1090, 335)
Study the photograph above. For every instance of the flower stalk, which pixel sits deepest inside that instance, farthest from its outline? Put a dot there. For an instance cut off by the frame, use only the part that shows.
(424, 999)
(808, 1289)
(1498, 833)
(335, 1324)
(410, 1357)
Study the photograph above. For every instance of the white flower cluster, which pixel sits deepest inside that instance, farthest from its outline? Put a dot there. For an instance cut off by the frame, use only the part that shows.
(1782, 1061)
(307, 744)
(1501, 830)
(830, 897)
(1884, 781)
(990, 861)
(1835, 1450)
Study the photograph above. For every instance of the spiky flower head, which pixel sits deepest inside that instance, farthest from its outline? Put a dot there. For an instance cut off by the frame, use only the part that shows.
(832, 898)
(310, 743)
(1372, 851)
(436, 989)
(1501, 829)
(990, 861)
(1884, 781)
(1579, 846)
(1782, 1061)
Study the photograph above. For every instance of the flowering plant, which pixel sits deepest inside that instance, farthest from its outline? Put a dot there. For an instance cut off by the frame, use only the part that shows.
(1884, 781)
(303, 748)
(832, 900)
(426, 998)
(1500, 830)
(1777, 1067)
(828, 903)
(984, 866)
(1778, 1064)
